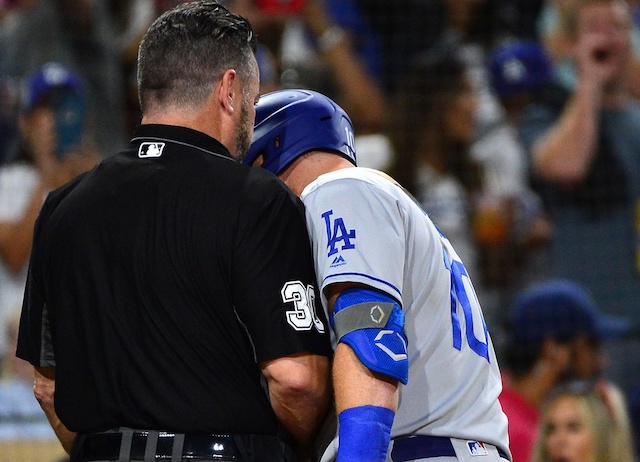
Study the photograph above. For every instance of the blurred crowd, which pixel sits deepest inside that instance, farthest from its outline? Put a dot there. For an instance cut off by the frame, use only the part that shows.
(515, 123)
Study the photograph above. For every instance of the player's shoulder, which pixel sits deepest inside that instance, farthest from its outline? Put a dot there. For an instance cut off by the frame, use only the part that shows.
(356, 185)
(353, 178)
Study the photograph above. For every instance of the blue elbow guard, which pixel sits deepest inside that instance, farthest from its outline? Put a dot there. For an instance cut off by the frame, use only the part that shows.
(372, 324)
(364, 433)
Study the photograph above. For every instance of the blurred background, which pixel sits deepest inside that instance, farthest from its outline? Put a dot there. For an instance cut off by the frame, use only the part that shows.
(515, 123)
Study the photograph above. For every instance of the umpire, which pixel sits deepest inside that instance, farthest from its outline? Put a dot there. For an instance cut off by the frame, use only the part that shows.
(169, 309)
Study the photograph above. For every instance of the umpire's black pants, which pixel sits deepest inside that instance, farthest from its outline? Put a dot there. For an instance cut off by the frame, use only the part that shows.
(133, 445)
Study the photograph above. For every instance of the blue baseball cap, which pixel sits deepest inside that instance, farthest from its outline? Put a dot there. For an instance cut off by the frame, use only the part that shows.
(561, 309)
(519, 66)
(42, 83)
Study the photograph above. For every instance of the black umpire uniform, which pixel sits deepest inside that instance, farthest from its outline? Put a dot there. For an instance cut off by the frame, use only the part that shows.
(156, 287)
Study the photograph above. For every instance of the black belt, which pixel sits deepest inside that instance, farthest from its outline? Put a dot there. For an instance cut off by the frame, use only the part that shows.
(424, 447)
(143, 445)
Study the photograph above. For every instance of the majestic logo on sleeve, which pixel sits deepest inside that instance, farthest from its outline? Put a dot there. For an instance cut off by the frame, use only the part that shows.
(337, 234)
(150, 150)
(338, 261)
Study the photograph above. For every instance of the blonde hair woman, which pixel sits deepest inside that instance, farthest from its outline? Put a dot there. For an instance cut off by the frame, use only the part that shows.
(585, 422)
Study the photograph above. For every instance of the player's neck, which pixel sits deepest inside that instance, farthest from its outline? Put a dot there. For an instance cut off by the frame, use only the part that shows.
(307, 168)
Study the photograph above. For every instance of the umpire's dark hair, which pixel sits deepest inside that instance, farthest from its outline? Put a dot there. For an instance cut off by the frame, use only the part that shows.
(187, 49)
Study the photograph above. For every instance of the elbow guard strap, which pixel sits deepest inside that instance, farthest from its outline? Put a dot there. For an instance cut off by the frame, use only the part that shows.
(364, 433)
(372, 324)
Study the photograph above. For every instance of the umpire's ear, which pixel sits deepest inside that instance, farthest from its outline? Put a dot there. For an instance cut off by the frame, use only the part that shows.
(229, 92)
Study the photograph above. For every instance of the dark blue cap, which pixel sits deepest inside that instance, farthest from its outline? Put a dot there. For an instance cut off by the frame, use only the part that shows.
(563, 310)
(44, 81)
(519, 66)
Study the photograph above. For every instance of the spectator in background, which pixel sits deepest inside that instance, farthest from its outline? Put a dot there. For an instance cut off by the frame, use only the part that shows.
(306, 39)
(520, 73)
(80, 35)
(519, 70)
(584, 421)
(5, 7)
(326, 45)
(130, 19)
(408, 28)
(585, 165)
(503, 203)
(52, 150)
(555, 331)
(432, 132)
(553, 31)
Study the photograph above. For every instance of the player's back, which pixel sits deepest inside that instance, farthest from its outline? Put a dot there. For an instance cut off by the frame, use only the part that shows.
(367, 229)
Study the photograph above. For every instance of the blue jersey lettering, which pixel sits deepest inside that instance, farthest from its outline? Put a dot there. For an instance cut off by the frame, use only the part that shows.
(336, 233)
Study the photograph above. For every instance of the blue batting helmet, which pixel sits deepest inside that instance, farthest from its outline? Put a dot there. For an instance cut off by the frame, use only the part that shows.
(290, 123)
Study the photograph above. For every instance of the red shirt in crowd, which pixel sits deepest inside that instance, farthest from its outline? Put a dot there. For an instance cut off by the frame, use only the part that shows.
(523, 423)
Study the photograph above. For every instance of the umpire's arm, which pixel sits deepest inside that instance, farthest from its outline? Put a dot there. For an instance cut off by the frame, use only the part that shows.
(44, 388)
(300, 393)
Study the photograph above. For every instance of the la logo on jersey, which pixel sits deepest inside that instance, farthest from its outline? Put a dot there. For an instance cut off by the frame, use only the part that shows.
(337, 233)
(476, 448)
(150, 150)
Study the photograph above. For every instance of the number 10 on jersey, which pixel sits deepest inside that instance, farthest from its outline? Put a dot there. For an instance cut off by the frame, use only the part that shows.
(464, 296)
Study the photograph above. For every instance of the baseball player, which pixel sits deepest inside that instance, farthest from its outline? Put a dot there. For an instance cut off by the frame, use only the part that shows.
(413, 361)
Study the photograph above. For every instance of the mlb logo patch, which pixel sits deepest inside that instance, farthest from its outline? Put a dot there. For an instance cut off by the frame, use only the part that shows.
(150, 150)
(476, 448)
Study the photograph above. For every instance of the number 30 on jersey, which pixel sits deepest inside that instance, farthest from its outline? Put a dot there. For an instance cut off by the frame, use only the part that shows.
(303, 316)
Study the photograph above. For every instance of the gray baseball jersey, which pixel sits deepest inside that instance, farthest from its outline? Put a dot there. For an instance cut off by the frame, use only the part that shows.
(365, 228)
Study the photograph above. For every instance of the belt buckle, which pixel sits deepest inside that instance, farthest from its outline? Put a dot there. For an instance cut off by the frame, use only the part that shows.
(206, 446)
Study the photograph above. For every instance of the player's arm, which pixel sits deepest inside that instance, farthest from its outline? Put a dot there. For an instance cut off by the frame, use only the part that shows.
(44, 389)
(300, 393)
(365, 378)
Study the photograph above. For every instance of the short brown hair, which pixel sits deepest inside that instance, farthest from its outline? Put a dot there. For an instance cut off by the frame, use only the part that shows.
(187, 49)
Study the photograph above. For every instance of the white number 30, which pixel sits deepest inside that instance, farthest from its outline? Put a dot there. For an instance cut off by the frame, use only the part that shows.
(303, 316)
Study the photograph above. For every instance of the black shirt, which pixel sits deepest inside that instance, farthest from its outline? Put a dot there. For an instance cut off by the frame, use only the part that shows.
(157, 283)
